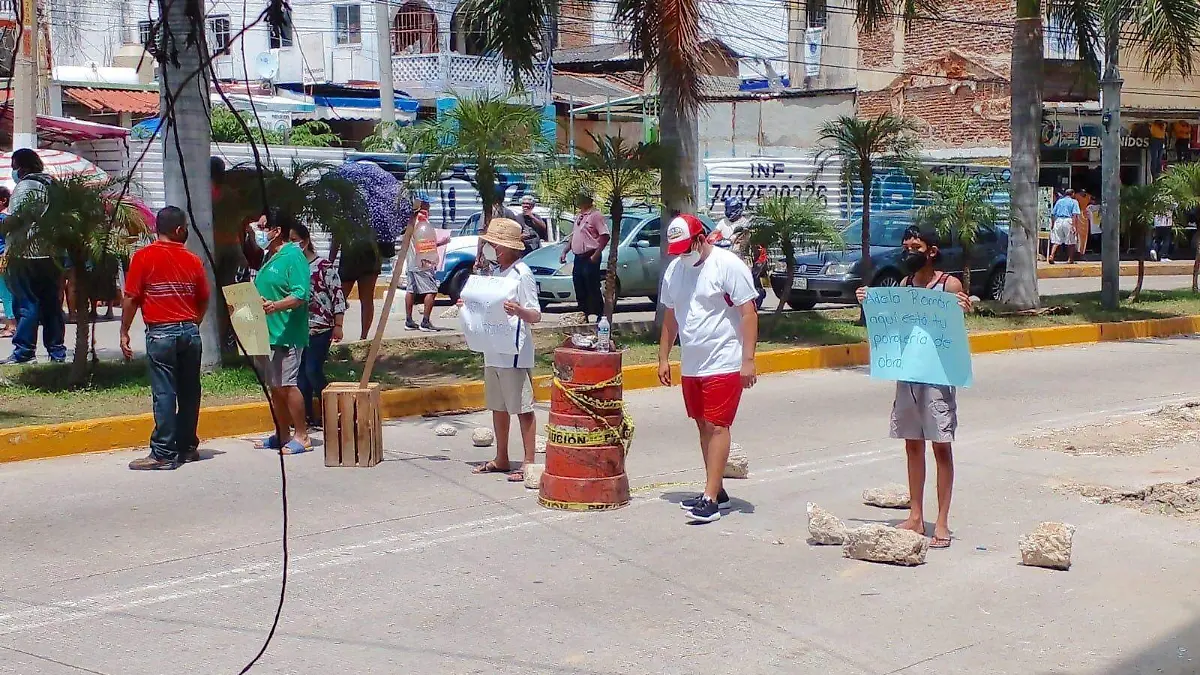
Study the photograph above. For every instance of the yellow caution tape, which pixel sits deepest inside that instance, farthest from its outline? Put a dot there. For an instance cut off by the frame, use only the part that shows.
(591, 405)
(578, 506)
(576, 437)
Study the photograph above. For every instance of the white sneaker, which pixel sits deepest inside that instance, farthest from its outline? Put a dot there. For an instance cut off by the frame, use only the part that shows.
(1154, 255)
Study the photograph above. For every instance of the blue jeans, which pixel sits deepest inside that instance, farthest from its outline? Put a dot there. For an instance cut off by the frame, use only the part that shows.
(173, 352)
(34, 284)
(312, 369)
(6, 300)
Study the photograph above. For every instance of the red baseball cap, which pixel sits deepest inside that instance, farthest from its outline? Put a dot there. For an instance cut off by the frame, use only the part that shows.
(681, 232)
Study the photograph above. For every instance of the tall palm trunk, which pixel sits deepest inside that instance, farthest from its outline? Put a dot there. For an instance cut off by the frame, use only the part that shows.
(187, 144)
(966, 270)
(1110, 169)
(1137, 288)
(678, 134)
(789, 273)
(77, 375)
(616, 211)
(1028, 81)
(867, 266)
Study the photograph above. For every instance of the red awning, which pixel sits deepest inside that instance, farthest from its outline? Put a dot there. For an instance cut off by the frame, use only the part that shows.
(62, 129)
(116, 100)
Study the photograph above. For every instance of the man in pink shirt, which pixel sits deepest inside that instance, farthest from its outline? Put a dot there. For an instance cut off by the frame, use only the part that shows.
(588, 238)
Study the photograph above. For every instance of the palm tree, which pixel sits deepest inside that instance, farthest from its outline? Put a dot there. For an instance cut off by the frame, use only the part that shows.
(182, 54)
(788, 223)
(668, 35)
(1166, 31)
(618, 170)
(862, 146)
(1182, 184)
(86, 224)
(960, 206)
(485, 132)
(1139, 205)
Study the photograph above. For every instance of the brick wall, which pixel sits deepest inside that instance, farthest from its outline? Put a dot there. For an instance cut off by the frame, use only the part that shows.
(955, 112)
(575, 24)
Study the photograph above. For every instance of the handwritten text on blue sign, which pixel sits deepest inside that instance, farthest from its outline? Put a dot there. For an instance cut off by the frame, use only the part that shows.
(917, 335)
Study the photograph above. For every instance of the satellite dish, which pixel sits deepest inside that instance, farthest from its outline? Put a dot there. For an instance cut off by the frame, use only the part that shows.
(266, 65)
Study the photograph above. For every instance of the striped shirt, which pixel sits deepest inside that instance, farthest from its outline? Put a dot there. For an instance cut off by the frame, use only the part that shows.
(168, 282)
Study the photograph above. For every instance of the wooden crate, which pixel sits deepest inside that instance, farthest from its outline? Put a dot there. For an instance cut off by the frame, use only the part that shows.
(353, 425)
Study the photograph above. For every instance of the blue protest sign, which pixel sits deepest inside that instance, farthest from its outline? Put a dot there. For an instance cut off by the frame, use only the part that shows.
(917, 335)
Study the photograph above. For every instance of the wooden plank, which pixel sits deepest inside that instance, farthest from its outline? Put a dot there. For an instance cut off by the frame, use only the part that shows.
(346, 427)
(333, 442)
(362, 430)
(387, 306)
(377, 424)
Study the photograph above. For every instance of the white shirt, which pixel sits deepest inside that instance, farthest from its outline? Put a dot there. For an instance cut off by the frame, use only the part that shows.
(706, 299)
(527, 298)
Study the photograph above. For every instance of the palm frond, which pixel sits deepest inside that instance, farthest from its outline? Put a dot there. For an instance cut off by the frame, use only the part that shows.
(1181, 183)
(511, 28)
(875, 14)
(669, 35)
(886, 140)
(1168, 32)
(959, 205)
(790, 223)
(1139, 205)
(484, 133)
(1080, 23)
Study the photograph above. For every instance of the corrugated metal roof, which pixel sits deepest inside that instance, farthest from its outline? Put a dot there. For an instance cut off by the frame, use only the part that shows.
(116, 100)
(583, 90)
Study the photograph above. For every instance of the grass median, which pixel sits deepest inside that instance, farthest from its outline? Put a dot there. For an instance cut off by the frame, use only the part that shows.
(38, 394)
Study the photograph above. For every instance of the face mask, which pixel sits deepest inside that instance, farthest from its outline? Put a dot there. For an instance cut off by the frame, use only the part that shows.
(16, 177)
(692, 256)
(490, 253)
(912, 261)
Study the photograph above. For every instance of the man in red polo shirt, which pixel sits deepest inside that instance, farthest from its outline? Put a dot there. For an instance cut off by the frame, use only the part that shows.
(168, 283)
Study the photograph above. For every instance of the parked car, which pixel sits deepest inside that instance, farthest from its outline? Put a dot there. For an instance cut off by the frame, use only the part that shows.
(460, 252)
(832, 276)
(638, 261)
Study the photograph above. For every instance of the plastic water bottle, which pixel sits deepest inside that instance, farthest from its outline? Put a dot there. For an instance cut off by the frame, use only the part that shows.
(603, 335)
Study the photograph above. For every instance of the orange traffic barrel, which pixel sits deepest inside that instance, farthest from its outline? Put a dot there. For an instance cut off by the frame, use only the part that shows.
(587, 436)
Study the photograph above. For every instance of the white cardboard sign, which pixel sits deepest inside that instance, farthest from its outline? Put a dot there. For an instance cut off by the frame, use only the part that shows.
(484, 324)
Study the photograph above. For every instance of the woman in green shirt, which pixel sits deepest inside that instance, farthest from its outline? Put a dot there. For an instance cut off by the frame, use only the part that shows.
(285, 284)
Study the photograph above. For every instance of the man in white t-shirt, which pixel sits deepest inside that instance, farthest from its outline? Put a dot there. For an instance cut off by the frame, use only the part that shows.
(709, 297)
(508, 378)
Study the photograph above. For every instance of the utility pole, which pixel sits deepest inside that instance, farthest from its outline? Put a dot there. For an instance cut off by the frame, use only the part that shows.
(25, 79)
(1110, 197)
(383, 40)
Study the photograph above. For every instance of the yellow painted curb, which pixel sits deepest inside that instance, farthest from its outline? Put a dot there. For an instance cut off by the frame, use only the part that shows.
(1128, 269)
(111, 433)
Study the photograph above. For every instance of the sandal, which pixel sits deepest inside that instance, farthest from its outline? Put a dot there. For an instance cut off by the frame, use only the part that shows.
(517, 476)
(294, 447)
(271, 443)
(490, 466)
(939, 542)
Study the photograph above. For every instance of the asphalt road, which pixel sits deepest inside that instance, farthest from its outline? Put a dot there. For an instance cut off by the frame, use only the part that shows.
(635, 309)
(417, 566)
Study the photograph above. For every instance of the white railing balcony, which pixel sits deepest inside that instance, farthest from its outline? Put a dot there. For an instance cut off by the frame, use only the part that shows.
(431, 75)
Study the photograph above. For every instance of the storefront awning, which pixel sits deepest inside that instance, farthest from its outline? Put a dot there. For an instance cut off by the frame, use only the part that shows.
(359, 108)
(138, 102)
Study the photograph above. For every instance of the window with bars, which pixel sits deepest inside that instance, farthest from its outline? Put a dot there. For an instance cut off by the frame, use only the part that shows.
(347, 24)
(281, 36)
(218, 33)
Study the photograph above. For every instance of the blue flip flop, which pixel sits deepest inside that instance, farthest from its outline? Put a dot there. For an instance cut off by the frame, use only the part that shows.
(271, 443)
(294, 447)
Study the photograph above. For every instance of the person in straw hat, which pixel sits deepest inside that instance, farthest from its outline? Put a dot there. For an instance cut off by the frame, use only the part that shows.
(508, 378)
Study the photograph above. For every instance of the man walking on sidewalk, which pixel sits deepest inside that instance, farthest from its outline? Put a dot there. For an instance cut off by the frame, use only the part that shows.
(709, 299)
(168, 284)
(588, 239)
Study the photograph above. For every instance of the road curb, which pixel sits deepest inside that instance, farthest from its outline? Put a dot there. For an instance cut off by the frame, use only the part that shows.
(113, 433)
(1128, 269)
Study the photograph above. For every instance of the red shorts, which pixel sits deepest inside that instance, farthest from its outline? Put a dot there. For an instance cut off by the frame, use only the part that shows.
(713, 398)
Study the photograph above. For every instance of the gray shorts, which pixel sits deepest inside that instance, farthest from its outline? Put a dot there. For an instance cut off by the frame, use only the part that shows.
(508, 390)
(421, 282)
(281, 368)
(925, 412)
